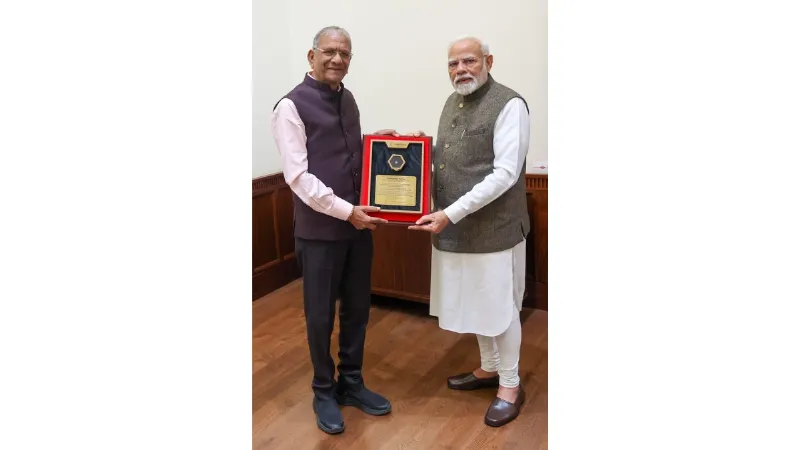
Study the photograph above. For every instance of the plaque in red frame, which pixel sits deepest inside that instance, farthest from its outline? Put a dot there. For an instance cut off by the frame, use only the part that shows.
(396, 177)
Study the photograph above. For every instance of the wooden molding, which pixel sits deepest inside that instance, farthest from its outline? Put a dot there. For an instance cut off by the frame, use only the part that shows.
(419, 298)
(535, 182)
(268, 183)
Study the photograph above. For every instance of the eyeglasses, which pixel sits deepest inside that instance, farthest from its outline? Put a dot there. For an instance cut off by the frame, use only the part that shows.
(332, 53)
(468, 62)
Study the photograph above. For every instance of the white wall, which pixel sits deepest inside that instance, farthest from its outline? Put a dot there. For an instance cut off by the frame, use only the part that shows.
(399, 69)
(270, 79)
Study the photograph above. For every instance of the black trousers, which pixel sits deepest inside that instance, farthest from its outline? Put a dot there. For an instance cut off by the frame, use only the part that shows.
(331, 270)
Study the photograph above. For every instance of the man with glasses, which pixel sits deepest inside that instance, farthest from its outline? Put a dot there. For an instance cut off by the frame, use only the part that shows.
(481, 223)
(318, 134)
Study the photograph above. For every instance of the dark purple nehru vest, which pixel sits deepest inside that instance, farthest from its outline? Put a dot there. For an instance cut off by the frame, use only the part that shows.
(333, 132)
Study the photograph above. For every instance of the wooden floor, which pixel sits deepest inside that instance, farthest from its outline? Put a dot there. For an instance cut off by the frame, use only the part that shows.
(407, 359)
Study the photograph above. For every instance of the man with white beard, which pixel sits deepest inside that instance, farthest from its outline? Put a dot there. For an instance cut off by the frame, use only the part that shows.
(481, 223)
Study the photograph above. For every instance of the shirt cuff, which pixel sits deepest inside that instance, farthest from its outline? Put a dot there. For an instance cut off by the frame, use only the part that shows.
(341, 209)
(455, 213)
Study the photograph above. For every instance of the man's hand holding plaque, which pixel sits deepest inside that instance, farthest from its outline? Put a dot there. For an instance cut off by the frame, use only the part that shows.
(432, 223)
(386, 132)
(361, 220)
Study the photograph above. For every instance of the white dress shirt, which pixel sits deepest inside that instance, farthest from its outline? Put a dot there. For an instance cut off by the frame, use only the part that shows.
(511, 137)
(290, 137)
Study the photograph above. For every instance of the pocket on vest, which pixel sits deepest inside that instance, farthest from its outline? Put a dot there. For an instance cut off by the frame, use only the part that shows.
(476, 132)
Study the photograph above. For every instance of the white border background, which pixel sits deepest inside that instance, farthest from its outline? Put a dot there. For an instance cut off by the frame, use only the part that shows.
(125, 135)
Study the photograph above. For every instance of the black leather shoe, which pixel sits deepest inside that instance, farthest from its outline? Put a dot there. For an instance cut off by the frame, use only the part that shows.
(501, 412)
(362, 398)
(468, 382)
(329, 418)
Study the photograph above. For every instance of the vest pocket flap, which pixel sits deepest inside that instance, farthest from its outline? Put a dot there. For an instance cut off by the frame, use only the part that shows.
(475, 132)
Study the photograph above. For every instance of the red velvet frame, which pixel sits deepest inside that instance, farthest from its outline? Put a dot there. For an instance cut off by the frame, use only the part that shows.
(366, 176)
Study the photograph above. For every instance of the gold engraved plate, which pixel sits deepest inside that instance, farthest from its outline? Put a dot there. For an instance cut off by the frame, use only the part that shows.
(395, 190)
(397, 144)
(396, 162)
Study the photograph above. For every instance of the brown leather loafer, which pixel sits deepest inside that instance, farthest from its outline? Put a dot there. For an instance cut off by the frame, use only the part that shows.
(468, 382)
(501, 412)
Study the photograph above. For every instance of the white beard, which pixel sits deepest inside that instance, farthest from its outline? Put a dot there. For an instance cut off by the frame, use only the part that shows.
(466, 88)
(472, 85)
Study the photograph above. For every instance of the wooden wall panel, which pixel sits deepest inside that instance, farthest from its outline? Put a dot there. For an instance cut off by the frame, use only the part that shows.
(401, 266)
(285, 217)
(264, 233)
(273, 244)
(536, 258)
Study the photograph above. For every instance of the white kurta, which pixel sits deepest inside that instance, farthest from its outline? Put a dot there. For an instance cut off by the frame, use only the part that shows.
(478, 292)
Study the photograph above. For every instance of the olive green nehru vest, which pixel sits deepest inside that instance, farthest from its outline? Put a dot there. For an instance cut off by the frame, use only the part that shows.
(462, 157)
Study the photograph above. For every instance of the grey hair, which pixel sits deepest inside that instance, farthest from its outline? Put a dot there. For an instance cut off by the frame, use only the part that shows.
(328, 31)
(484, 46)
